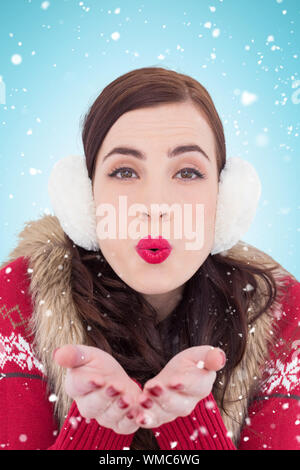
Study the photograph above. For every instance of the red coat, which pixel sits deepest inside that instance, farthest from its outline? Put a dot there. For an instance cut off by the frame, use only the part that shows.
(26, 410)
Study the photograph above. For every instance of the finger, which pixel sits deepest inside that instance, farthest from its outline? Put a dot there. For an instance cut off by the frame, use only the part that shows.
(79, 382)
(194, 383)
(93, 404)
(106, 410)
(119, 415)
(164, 409)
(215, 359)
(72, 355)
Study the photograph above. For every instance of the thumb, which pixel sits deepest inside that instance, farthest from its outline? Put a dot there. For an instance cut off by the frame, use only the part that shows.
(215, 359)
(71, 355)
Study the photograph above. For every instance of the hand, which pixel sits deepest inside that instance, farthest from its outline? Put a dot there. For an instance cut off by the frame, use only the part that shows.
(90, 373)
(183, 385)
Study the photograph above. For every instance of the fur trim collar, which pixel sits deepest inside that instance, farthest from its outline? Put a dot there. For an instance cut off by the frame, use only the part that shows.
(55, 320)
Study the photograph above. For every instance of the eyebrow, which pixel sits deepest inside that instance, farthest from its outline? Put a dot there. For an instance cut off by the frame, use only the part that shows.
(171, 152)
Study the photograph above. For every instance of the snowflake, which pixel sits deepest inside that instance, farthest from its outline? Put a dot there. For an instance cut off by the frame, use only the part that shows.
(285, 375)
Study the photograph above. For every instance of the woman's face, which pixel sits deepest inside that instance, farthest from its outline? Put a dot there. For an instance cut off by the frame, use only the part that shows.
(158, 179)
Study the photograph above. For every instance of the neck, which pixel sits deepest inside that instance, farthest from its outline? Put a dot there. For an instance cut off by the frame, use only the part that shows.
(165, 303)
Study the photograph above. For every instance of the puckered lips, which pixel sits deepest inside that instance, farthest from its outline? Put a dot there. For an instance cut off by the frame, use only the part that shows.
(153, 250)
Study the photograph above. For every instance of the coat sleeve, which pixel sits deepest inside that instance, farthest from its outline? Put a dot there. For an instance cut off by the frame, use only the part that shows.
(202, 429)
(26, 408)
(273, 420)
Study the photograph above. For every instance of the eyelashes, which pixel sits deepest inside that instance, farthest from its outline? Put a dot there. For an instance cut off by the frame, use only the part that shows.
(196, 172)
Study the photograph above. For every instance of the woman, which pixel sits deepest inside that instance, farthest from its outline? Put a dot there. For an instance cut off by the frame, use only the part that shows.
(107, 344)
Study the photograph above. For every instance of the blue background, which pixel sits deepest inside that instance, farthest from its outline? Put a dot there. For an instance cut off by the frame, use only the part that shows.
(70, 51)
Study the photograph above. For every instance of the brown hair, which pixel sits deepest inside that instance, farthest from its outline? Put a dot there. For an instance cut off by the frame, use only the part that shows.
(214, 305)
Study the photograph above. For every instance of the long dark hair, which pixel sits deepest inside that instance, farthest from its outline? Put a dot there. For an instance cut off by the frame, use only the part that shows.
(213, 307)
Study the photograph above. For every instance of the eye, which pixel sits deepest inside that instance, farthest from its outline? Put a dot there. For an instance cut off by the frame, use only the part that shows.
(127, 172)
(123, 170)
(185, 172)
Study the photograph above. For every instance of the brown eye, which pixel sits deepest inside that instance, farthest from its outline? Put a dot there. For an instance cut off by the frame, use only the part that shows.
(124, 171)
(187, 171)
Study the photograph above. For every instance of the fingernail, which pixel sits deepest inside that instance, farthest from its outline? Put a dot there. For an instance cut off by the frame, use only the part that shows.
(122, 403)
(93, 385)
(223, 358)
(147, 403)
(145, 420)
(130, 415)
(155, 391)
(53, 354)
(111, 391)
(177, 386)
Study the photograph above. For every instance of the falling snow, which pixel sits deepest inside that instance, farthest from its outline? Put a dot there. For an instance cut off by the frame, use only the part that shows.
(248, 98)
(269, 55)
(53, 397)
(74, 421)
(200, 364)
(45, 5)
(16, 59)
(248, 288)
(115, 36)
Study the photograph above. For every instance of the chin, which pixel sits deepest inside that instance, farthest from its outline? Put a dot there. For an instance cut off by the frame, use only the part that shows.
(152, 287)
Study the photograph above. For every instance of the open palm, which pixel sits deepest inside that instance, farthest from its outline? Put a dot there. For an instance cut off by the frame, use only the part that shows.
(104, 391)
(185, 380)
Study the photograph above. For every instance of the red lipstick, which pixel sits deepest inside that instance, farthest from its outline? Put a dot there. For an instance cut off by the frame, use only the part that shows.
(153, 250)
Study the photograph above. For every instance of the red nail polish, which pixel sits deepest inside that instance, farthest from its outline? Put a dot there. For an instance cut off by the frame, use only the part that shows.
(93, 385)
(147, 403)
(122, 403)
(130, 415)
(155, 391)
(111, 391)
(177, 386)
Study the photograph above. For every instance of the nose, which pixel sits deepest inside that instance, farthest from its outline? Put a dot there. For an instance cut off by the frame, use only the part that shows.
(162, 214)
(155, 225)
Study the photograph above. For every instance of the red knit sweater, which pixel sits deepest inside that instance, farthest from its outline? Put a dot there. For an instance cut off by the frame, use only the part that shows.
(26, 410)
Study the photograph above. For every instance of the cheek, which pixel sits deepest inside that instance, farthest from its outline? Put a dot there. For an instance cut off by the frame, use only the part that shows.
(209, 198)
(114, 252)
(104, 195)
(204, 204)
(204, 213)
(210, 209)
